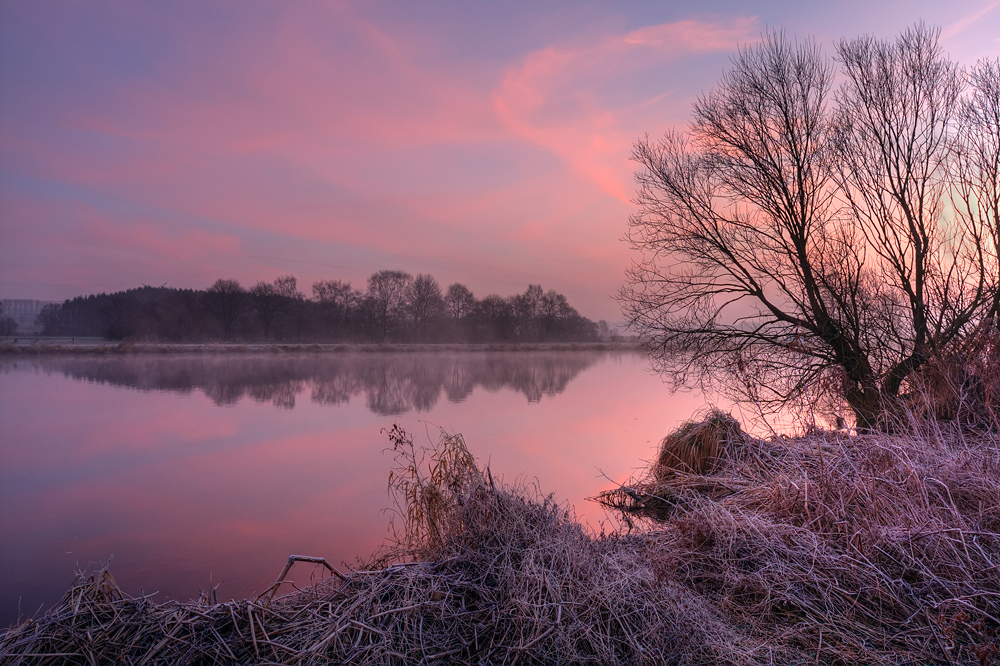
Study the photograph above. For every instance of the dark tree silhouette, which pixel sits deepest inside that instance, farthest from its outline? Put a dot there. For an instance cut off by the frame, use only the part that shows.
(287, 286)
(396, 307)
(265, 300)
(459, 302)
(386, 301)
(494, 318)
(797, 239)
(425, 304)
(226, 300)
(119, 314)
(8, 326)
(337, 301)
(178, 313)
(272, 300)
(527, 312)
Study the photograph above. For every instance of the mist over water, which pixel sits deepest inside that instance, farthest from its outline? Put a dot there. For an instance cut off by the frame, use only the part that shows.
(390, 383)
(194, 471)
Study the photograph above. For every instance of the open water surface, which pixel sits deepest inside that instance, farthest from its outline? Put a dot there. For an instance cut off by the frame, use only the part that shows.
(196, 472)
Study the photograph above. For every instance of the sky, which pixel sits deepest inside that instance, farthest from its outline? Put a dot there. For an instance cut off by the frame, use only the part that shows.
(174, 143)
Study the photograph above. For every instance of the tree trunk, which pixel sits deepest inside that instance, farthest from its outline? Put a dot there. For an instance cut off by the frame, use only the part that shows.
(868, 406)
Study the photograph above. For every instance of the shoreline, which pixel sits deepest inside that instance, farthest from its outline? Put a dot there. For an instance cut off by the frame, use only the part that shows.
(89, 347)
(744, 568)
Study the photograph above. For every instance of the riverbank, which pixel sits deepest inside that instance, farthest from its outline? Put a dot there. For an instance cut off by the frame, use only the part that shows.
(90, 346)
(833, 548)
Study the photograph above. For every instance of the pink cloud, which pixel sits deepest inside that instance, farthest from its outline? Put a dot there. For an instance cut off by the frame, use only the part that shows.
(563, 99)
(966, 21)
(153, 239)
(307, 107)
(66, 242)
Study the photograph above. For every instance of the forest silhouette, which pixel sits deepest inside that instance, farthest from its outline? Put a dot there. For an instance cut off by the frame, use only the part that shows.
(393, 307)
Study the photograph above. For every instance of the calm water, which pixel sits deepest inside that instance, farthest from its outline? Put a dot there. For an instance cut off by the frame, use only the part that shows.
(197, 471)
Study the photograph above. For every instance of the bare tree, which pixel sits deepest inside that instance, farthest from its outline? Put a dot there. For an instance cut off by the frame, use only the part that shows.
(287, 287)
(266, 301)
(226, 300)
(424, 303)
(387, 291)
(271, 301)
(977, 192)
(177, 313)
(8, 326)
(337, 300)
(495, 317)
(527, 310)
(797, 239)
(554, 310)
(460, 304)
(459, 301)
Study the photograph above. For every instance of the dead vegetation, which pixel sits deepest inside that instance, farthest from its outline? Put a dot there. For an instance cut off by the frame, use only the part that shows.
(832, 549)
(694, 449)
(853, 549)
(698, 446)
(961, 383)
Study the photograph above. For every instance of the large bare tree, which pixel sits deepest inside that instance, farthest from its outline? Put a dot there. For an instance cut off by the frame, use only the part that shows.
(799, 238)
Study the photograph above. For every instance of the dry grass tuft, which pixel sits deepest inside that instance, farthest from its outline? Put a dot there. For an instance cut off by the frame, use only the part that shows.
(698, 446)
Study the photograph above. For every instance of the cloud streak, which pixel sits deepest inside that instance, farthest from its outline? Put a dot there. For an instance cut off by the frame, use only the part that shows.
(568, 99)
(965, 22)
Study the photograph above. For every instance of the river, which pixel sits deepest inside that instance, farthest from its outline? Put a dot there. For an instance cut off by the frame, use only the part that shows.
(196, 472)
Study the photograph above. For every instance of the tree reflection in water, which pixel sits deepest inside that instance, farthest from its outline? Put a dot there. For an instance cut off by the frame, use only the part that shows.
(392, 383)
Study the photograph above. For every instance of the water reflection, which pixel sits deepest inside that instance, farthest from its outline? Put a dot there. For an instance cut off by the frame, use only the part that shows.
(391, 383)
(131, 456)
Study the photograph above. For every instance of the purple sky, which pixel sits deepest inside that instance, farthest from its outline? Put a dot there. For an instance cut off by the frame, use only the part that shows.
(487, 143)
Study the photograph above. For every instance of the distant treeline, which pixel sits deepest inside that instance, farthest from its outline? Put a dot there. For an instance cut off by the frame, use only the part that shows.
(394, 307)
